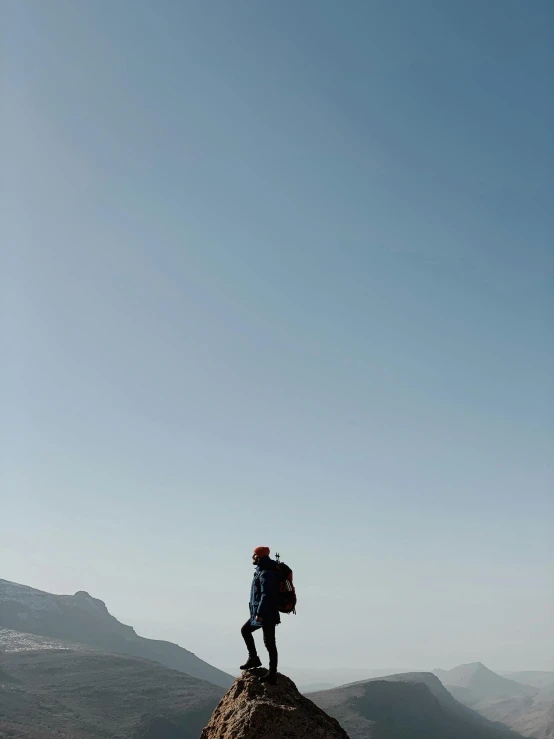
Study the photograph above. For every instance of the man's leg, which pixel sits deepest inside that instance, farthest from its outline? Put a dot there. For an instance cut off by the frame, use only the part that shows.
(246, 632)
(253, 659)
(271, 646)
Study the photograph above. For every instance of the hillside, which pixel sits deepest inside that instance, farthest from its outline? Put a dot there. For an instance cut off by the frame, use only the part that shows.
(80, 694)
(83, 619)
(407, 706)
(18, 641)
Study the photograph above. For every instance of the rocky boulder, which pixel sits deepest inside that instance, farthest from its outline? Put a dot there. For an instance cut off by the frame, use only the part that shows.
(252, 710)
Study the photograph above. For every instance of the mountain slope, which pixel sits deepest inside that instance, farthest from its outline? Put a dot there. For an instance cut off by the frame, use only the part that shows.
(537, 678)
(86, 620)
(79, 694)
(407, 706)
(18, 641)
(525, 708)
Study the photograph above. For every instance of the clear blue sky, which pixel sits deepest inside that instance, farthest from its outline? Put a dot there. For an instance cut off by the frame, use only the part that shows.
(282, 273)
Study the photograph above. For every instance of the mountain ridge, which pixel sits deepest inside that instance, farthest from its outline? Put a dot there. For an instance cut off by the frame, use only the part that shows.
(82, 619)
(476, 677)
(405, 706)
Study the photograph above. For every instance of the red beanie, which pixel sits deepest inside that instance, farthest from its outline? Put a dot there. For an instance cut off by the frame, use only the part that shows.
(261, 551)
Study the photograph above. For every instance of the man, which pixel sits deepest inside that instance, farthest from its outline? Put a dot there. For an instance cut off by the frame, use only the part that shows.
(264, 613)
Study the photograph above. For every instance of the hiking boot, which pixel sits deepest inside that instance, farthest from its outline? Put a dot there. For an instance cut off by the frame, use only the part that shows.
(251, 662)
(270, 678)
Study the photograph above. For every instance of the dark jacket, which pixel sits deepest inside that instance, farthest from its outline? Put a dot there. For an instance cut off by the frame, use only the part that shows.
(263, 594)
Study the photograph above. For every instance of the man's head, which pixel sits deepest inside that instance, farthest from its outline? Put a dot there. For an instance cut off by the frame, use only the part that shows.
(258, 553)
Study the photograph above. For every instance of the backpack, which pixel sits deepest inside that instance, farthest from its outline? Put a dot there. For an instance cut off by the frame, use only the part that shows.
(286, 594)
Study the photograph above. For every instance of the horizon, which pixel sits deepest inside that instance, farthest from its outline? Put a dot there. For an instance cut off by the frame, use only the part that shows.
(283, 277)
(328, 669)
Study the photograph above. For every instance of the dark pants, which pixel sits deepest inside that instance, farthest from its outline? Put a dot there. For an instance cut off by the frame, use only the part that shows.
(269, 641)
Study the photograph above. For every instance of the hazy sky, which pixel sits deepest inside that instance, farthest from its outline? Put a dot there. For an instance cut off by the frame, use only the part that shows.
(281, 273)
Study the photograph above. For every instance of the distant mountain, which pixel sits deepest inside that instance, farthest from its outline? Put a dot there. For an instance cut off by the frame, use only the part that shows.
(406, 706)
(526, 708)
(482, 682)
(538, 678)
(66, 693)
(83, 619)
(323, 678)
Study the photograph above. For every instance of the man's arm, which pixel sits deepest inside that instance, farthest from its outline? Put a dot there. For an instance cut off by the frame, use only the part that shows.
(267, 600)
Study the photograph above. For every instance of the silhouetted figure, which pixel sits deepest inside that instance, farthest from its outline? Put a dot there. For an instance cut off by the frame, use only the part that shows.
(264, 613)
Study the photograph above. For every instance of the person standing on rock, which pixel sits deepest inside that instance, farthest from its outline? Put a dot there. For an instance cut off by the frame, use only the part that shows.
(264, 613)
